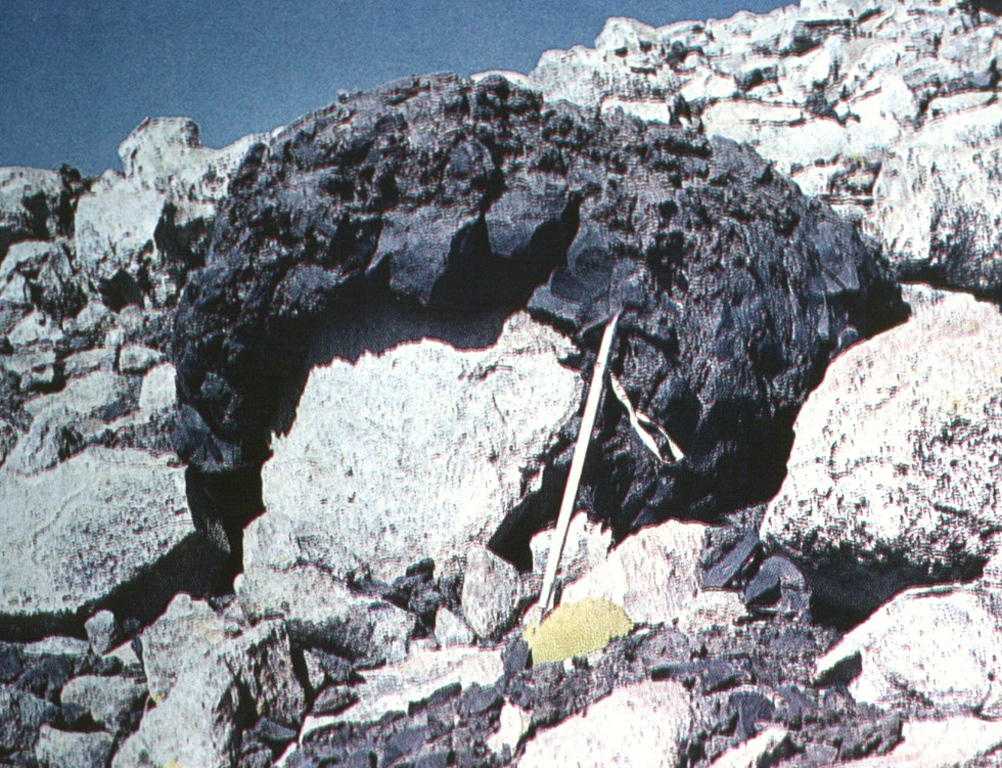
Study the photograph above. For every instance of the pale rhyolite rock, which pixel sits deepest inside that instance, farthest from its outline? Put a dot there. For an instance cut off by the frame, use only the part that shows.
(75, 533)
(652, 575)
(158, 391)
(393, 687)
(490, 593)
(758, 751)
(199, 723)
(948, 743)
(169, 176)
(911, 649)
(17, 220)
(110, 700)
(186, 635)
(320, 610)
(372, 476)
(63, 749)
(892, 476)
(637, 726)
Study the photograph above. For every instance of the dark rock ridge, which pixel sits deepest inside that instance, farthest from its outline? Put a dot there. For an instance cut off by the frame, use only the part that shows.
(448, 195)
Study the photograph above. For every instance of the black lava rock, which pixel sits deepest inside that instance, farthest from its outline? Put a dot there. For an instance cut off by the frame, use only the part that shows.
(453, 197)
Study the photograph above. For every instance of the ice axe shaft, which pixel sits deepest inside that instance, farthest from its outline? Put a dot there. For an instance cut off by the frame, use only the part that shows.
(577, 466)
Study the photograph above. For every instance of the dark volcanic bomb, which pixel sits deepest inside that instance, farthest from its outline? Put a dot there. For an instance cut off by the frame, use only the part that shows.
(451, 196)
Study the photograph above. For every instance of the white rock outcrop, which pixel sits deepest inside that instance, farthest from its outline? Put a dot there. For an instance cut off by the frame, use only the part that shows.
(893, 475)
(168, 177)
(652, 575)
(200, 721)
(393, 687)
(75, 533)
(378, 473)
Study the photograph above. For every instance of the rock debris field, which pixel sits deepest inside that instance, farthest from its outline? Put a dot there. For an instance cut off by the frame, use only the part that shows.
(285, 426)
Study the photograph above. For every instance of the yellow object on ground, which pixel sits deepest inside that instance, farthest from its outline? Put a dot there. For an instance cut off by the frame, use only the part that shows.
(576, 629)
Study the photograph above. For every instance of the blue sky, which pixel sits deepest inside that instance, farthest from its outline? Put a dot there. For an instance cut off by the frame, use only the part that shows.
(77, 75)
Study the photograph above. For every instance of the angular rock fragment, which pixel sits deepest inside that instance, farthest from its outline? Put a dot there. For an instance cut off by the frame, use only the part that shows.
(638, 726)
(322, 611)
(395, 686)
(135, 232)
(187, 634)
(211, 703)
(651, 575)
(939, 645)
(114, 703)
(370, 476)
(490, 593)
(77, 534)
(63, 749)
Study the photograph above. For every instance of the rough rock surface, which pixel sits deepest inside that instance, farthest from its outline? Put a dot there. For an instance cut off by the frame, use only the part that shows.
(888, 110)
(637, 726)
(60, 749)
(77, 533)
(114, 703)
(446, 194)
(960, 740)
(370, 475)
(490, 593)
(652, 575)
(187, 634)
(941, 645)
(36, 204)
(322, 611)
(202, 720)
(893, 475)
(138, 233)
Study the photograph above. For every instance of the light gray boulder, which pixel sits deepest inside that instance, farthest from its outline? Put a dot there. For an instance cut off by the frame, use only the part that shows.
(111, 701)
(39, 273)
(893, 474)
(586, 546)
(963, 740)
(63, 422)
(30, 204)
(76, 533)
(102, 632)
(938, 209)
(200, 721)
(450, 630)
(137, 359)
(187, 634)
(490, 593)
(373, 477)
(637, 726)
(763, 749)
(159, 390)
(941, 645)
(63, 749)
(652, 574)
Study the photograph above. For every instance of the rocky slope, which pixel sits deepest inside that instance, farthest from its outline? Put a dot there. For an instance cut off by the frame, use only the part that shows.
(283, 426)
(888, 110)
